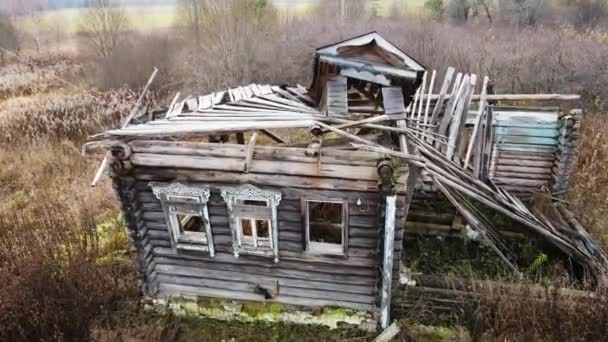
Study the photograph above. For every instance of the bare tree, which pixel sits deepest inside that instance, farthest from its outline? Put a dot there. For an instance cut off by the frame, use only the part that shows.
(589, 13)
(8, 36)
(521, 13)
(103, 26)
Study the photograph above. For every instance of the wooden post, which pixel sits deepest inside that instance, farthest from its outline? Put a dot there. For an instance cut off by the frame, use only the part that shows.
(387, 264)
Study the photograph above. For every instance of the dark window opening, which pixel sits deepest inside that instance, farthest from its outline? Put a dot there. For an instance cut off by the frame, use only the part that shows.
(325, 222)
(190, 223)
(253, 203)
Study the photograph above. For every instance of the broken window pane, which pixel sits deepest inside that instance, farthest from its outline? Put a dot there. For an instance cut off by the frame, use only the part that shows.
(325, 222)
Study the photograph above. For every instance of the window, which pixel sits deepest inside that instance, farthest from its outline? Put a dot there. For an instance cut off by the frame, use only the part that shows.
(326, 226)
(187, 216)
(253, 220)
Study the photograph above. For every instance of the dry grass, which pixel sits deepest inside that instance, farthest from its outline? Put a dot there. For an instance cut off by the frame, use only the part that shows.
(590, 182)
(39, 77)
(520, 313)
(58, 116)
(55, 288)
(54, 284)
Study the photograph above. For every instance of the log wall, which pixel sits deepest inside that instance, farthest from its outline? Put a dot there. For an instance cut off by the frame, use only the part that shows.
(298, 278)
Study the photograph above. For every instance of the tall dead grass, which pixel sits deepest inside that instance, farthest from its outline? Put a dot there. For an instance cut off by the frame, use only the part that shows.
(53, 284)
(40, 76)
(590, 181)
(522, 313)
(53, 117)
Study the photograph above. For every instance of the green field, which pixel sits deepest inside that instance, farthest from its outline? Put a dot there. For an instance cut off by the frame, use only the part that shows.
(141, 18)
(145, 18)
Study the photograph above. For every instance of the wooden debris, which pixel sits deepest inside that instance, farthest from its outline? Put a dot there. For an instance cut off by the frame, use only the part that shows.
(388, 334)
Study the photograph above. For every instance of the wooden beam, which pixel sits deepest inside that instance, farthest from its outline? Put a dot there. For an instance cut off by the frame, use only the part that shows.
(272, 135)
(250, 148)
(105, 162)
(482, 105)
(518, 97)
(442, 93)
(387, 263)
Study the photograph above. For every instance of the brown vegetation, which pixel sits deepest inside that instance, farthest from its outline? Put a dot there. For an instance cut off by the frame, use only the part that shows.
(58, 269)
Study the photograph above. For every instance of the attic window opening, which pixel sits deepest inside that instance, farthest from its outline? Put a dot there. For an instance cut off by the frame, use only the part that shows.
(326, 227)
(187, 216)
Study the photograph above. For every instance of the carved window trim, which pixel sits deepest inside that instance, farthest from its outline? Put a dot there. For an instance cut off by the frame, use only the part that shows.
(184, 199)
(320, 248)
(249, 192)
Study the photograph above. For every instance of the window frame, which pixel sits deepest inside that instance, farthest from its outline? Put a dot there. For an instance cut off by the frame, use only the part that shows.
(184, 199)
(239, 211)
(324, 248)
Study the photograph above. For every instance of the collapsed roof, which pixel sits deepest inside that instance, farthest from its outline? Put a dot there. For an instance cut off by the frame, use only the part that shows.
(366, 84)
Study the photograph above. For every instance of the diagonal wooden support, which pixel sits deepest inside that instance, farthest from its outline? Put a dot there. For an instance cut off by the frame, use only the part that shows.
(250, 148)
(105, 162)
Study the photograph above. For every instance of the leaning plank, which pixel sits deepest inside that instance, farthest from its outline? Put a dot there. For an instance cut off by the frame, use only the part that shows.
(442, 94)
(388, 333)
(250, 148)
(105, 162)
(482, 104)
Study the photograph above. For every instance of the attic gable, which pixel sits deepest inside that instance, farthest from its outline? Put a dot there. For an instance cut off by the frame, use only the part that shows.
(371, 47)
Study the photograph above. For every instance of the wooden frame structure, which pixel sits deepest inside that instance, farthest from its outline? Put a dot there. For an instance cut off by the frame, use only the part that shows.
(396, 140)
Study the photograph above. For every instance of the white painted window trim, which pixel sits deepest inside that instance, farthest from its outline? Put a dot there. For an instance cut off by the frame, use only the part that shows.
(250, 192)
(322, 248)
(181, 199)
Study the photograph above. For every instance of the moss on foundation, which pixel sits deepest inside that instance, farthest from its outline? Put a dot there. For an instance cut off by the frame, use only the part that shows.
(200, 307)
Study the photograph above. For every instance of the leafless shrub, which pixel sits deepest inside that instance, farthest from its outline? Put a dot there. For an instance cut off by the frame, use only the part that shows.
(8, 36)
(522, 13)
(103, 25)
(132, 64)
(590, 13)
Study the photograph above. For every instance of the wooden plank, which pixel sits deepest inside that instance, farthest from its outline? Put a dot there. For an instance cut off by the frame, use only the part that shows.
(442, 94)
(474, 135)
(198, 128)
(455, 98)
(260, 166)
(249, 155)
(388, 334)
(387, 264)
(524, 97)
(337, 101)
(428, 102)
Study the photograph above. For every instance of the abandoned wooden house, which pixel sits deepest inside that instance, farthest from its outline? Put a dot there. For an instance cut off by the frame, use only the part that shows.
(219, 204)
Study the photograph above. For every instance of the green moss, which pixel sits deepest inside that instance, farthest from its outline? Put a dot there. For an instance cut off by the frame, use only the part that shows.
(432, 333)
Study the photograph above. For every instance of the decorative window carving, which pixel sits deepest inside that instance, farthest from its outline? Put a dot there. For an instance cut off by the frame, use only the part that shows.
(253, 220)
(326, 226)
(187, 216)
